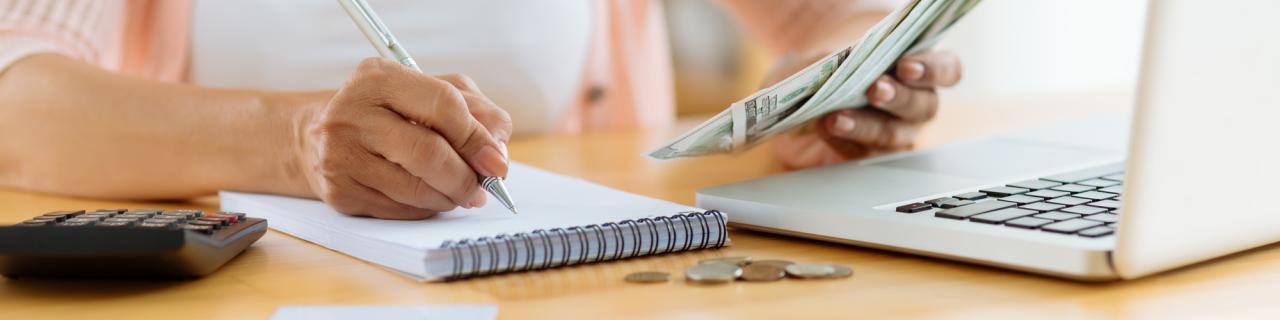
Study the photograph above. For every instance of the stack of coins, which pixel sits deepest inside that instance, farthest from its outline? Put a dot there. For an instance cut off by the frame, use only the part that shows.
(741, 268)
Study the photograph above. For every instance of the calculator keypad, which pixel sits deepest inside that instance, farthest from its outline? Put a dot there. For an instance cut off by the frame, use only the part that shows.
(193, 220)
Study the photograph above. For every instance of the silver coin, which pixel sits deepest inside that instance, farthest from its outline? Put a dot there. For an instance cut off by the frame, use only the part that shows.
(774, 262)
(647, 277)
(818, 271)
(762, 272)
(737, 260)
(713, 273)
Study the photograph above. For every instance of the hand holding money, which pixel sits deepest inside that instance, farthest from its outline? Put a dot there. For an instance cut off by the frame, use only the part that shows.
(839, 81)
(900, 103)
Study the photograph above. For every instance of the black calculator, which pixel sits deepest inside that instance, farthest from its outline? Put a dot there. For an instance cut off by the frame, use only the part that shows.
(125, 243)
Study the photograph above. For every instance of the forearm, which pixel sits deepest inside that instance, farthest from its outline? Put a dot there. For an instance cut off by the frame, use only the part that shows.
(71, 128)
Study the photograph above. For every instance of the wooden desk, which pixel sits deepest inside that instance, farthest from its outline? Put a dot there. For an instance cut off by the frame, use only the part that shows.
(281, 270)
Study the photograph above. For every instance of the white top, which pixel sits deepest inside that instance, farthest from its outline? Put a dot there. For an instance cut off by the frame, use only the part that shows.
(529, 64)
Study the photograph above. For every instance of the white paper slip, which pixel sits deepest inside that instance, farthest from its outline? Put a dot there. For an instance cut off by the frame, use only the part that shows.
(562, 221)
(388, 312)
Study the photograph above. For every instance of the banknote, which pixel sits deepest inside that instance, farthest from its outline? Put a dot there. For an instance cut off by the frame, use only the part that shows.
(837, 81)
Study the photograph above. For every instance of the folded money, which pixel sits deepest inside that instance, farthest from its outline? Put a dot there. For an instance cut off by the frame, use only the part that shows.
(837, 81)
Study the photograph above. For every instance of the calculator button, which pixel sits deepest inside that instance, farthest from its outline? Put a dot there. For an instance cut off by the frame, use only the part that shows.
(162, 220)
(239, 215)
(154, 225)
(64, 213)
(125, 220)
(148, 211)
(84, 219)
(192, 212)
(112, 211)
(219, 220)
(230, 218)
(114, 224)
(212, 224)
(198, 228)
(34, 222)
(70, 223)
(51, 218)
(133, 216)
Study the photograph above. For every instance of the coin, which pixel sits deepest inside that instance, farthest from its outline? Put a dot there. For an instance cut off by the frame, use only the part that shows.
(737, 260)
(758, 272)
(818, 271)
(713, 272)
(647, 277)
(779, 263)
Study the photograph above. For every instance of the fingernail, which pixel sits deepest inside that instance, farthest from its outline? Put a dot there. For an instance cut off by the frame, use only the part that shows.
(884, 92)
(912, 71)
(844, 124)
(502, 147)
(490, 162)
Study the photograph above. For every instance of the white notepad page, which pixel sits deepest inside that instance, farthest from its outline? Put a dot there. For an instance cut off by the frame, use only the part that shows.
(546, 200)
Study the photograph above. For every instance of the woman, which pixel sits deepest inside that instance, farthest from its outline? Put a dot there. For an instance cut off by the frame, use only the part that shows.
(171, 99)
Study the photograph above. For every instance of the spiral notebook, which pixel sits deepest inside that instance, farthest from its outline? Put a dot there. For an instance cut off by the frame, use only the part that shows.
(562, 221)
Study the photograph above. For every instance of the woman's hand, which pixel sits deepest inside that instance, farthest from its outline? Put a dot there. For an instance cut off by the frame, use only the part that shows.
(396, 144)
(901, 102)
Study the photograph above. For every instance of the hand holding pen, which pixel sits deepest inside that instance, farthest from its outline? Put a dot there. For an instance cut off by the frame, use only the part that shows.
(397, 144)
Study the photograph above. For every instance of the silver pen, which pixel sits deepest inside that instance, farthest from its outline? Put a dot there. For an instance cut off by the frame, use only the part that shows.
(388, 47)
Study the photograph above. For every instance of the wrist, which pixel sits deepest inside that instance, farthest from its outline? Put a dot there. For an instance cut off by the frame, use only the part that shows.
(288, 115)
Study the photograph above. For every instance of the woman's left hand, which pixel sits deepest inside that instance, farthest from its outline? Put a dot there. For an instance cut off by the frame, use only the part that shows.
(901, 102)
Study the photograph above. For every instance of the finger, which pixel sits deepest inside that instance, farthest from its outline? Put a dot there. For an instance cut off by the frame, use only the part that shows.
(352, 198)
(423, 153)
(440, 106)
(398, 184)
(494, 118)
(870, 128)
(807, 150)
(929, 69)
(907, 103)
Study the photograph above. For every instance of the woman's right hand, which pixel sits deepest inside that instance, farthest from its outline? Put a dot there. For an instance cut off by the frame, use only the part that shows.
(397, 144)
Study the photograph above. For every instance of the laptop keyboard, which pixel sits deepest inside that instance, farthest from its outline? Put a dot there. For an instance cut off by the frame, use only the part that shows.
(1084, 203)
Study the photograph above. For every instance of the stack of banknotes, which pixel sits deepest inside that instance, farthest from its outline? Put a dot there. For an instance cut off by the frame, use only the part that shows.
(837, 81)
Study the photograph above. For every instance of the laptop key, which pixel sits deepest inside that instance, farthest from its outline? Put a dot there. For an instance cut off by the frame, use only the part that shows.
(956, 203)
(1082, 175)
(1104, 217)
(1109, 204)
(1027, 222)
(1035, 184)
(914, 207)
(1001, 192)
(1073, 188)
(1097, 231)
(1021, 199)
(1046, 193)
(972, 196)
(1002, 215)
(1085, 210)
(1068, 200)
(939, 201)
(1057, 216)
(1095, 195)
(1113, 189)
(1043, 206)
(1098, 183)
(1115, 177)
(1070, 226)
(960, 213)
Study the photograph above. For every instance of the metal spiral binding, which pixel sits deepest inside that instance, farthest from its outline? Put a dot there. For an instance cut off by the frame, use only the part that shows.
(642, 231)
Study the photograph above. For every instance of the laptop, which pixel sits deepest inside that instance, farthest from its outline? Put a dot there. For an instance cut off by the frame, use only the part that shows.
(1190, 175)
